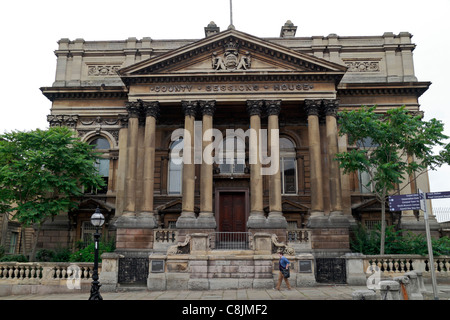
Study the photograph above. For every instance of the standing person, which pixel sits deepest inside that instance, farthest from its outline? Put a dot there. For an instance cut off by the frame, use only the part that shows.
(283, 265)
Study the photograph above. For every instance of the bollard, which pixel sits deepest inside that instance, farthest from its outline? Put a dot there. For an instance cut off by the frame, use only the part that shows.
(422, 288)
(414, 293)
(364, 295)
(389, 290)
(405, 287)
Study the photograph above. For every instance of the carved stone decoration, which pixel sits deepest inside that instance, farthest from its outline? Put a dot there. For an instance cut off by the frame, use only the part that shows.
(273, 107)
(362, 66)
(254, 107)
(189, 108)
(181, 247)
(312, 107)
(331, 107)
(231, 59)
(207, 107)
(99, 121)
(133, 108)
(103, 70)
(151, 108)
(61, 120)
(281, 247)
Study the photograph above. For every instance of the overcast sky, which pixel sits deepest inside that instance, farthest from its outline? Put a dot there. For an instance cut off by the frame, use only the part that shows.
(30, 30)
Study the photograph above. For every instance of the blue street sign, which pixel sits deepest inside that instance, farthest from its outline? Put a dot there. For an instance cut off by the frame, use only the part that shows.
(404, 202)
(438, 195)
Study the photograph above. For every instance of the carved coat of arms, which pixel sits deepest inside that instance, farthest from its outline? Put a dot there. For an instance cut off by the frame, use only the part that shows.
(231, 59)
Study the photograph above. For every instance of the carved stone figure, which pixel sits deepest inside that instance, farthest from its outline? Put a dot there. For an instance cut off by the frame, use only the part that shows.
(181, 247)
(231, 59)
(281, 247)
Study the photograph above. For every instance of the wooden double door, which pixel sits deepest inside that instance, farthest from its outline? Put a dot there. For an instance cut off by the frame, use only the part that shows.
(232, 215)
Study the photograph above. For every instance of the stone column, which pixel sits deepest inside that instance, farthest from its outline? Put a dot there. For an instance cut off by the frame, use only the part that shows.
(275, 218)
(206, 217)
(331, 107)
(312, 109)
(132, 151)
(256, 219)
(187, 218)
(151, 110)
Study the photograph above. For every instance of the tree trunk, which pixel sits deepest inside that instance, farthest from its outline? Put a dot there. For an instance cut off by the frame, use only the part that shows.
(34, 244)
(383, 226)
(4, 229)
(24, 242)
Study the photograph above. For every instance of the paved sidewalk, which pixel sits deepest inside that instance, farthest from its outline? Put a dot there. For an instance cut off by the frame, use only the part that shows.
(319, 292)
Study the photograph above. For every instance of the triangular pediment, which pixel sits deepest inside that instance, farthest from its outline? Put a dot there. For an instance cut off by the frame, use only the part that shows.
(231, 52)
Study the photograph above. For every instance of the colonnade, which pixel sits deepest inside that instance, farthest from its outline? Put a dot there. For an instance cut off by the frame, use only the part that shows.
(255, 109)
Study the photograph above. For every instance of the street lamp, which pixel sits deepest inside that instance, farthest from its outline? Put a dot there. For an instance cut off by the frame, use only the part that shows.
(97, 220)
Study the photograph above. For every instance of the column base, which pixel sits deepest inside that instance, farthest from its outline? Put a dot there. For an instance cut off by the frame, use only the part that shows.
(191, 222)
(256, 220)
(317, 214)
(136, 222)
(274, 221)
(332, 221)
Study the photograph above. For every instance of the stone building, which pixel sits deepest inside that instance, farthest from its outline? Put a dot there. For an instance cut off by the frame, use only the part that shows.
(136, 100)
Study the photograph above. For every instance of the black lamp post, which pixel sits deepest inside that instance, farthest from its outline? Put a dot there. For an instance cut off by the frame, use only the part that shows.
(97, 220)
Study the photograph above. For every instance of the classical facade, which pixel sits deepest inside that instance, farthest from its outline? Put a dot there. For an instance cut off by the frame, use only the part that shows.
(148, 106)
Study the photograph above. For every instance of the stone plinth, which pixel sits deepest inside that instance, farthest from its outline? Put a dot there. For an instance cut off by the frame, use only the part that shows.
(364, 295)
(110, 271)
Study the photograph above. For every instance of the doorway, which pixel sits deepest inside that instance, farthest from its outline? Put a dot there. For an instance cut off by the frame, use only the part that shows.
(232, 211)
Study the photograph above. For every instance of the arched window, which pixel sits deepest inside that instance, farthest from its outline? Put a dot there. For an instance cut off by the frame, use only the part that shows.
(175, 167)
(232, 155)
(102, 145)
(288, 166)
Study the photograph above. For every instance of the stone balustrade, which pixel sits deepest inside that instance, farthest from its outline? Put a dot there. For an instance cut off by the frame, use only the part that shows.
(36, 277)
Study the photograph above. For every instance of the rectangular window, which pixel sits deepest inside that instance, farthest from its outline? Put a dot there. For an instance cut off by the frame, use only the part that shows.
(102, 166)
(364, 179)
(87, 233)
(288, 170)
(13, 242)
(175, 177)
(237, 167)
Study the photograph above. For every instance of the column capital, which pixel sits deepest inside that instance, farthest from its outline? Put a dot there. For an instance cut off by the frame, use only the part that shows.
(151, 108)
(207, 107)
(312, 107)
(254, 107)
(189, 107)
(331, 107)
(133, 108)
(273, 107)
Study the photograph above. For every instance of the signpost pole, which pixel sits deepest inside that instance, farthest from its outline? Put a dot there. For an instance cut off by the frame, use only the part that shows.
(430, 247)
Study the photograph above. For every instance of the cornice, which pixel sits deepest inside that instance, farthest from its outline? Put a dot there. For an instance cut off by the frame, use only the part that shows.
(103, 92)
(234, 77)
(385, 88)
(245, 42)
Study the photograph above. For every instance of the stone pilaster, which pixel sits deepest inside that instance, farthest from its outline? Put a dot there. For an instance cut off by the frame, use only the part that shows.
(151, 110)
(256, 219)
(206, 217)
(275, 218)
(132, 151)
(187, 218)
(312, 108)
(331, 107)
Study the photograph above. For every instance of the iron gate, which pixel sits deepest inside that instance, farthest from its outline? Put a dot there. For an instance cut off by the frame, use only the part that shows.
(133, 270)
(331, 270)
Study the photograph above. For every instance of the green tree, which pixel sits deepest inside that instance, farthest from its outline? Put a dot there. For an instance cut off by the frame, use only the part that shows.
(392, 148)
(42, 173)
